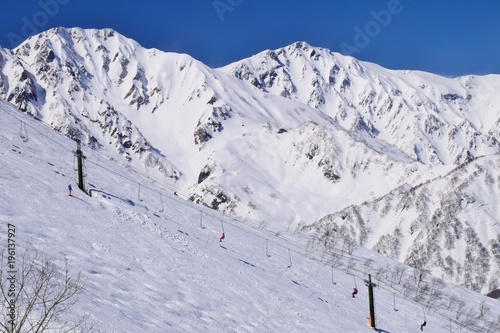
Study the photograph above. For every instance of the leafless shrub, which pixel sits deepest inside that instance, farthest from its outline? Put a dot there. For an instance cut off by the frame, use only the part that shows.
(483, 310)
(350, 245)
(494, 326)
(351, 265)
(43, 295)
(436, 287)
(398, 273)
(469, 319)
(452, 300)
(336, 263)
(368, 265)
(312, 245)
(419, 275)
(423, 290)
(395, 274)
(381, 273)
(460, 309)
(408, 286)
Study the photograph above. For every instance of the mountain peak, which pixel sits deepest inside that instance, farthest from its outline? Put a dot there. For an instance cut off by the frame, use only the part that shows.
(299, 127)
(359, 95)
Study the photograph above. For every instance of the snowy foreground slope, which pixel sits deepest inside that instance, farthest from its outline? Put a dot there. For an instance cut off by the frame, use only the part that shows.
(153, 262)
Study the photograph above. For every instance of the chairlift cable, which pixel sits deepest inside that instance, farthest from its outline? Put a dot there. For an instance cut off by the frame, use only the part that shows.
(267, 249)
(24, 132)
(333, 282)
(161, 201)
(201, 220)
(139, 193)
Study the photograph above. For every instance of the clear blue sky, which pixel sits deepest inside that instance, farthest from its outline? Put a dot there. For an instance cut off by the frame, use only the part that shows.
(448, 37)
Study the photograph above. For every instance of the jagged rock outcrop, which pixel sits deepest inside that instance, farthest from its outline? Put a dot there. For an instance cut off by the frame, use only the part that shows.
(436, 112)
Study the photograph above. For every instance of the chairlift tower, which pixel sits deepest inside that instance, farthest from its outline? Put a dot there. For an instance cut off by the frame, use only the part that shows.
(370, 285)
(79, 161)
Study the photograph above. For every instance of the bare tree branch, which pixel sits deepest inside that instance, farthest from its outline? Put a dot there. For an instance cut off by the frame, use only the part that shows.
(44, 295)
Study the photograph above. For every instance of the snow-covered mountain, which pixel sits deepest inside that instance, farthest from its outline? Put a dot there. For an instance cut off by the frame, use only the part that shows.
(448, 226)
(154, 263)
(431, 119)
(284, 138)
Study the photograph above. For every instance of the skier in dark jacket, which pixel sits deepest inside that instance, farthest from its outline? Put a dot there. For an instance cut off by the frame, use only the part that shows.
(422, 326)
(354, 292)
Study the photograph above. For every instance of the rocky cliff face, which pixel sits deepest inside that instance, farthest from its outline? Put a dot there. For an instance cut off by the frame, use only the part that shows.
(430, 118)
(93, 85)
(287, 137)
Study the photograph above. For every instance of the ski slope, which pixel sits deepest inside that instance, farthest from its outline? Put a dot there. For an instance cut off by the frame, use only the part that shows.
(153, 261)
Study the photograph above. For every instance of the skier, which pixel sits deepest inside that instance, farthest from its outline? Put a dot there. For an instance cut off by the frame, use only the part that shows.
(222, 237)
(422, 326)
(175, 193)
(354, 292)
(70, 190)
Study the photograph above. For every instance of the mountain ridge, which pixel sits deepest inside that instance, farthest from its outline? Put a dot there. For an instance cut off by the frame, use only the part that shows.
(285, 137)
(331, 76)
